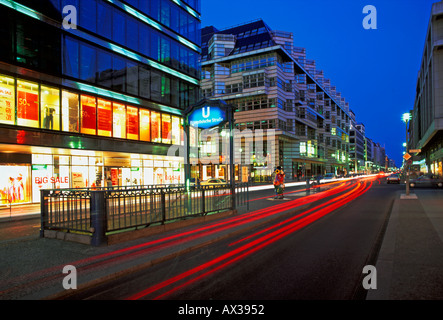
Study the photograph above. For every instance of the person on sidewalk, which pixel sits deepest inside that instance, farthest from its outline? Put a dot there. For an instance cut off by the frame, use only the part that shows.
(279, 183)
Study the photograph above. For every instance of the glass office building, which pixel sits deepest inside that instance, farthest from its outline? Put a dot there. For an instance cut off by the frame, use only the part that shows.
(92, 92)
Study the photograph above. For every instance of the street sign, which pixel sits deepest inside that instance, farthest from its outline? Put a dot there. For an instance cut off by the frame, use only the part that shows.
(415, 151)
(207, 117)
(407, 156)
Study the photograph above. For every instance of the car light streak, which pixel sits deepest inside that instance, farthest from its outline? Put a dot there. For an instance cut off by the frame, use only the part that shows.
(249, 248)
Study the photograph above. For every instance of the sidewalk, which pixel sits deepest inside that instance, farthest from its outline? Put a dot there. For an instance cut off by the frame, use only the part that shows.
(410, 262)
(20, 212)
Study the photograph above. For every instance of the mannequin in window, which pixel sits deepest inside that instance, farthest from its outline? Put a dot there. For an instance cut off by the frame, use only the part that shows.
(48, 122)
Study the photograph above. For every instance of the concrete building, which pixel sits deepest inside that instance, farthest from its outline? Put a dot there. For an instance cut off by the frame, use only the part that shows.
(98, 96)
(273, 86)
(426, 128)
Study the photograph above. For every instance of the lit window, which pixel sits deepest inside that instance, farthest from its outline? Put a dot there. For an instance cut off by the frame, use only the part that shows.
(166, 128)
(145, 125)
(119, 123)
(27, 104)
(88, 115)
(132, 126)
(7, 100)
(104, 114)
(156, 127)
(69, 112)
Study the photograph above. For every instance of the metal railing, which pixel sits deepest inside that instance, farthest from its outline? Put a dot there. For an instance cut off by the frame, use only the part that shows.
(96, 212)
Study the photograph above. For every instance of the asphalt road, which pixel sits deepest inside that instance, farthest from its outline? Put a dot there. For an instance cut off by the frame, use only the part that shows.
(322, 260)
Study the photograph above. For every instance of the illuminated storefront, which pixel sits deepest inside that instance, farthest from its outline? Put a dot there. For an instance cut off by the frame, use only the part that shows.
(30, 104)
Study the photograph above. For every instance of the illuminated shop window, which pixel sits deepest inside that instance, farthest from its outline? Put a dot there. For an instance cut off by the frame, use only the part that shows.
(7, 100)
(88, 115)
(303, 148)
(15, 184)
(175, 130)
(27, 104)
(156, 127)
(104, 117)
(119, 123)
(50, 110)
(70, 120)
(166, 128)
(145, 125)
(132, 125)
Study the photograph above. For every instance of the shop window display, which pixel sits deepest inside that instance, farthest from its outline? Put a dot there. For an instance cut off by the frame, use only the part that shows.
(70, 119)
(156, 127)
(132, 123)
(7, 100)
(166, 128)
(104, 117)
(145, 125)
(50, 110)
(119, 122)
(27, 104)
(175, 130)
(14, 185)
(88, 115)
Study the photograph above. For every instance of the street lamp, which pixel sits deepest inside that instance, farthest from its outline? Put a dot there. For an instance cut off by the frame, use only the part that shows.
(406, 118)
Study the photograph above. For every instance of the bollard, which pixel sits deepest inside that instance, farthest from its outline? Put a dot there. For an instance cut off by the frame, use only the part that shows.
(98, 218)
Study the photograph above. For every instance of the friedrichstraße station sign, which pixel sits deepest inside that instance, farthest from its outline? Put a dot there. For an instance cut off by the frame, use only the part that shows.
(207, 116)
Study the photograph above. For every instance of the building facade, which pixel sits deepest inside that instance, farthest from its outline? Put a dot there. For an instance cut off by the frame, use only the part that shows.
(273, 86)
(426, 127)
(95, 100)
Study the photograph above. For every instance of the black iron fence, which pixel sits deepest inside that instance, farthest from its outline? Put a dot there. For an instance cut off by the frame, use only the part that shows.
(99, 211)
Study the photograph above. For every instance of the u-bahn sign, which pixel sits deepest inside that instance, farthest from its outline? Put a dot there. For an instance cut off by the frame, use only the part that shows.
(207, 116)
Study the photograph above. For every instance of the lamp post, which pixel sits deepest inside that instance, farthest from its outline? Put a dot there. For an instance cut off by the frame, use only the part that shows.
(406, 118)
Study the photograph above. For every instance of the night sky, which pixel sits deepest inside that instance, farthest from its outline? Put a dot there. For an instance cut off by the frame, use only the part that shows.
(375, 70)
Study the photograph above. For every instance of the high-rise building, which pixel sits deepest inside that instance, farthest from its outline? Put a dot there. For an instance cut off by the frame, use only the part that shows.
(273, 86)
(426, 127)
(92, 92)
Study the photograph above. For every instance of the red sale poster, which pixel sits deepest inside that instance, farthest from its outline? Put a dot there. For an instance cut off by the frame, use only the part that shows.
(132, 121)
(27, 106)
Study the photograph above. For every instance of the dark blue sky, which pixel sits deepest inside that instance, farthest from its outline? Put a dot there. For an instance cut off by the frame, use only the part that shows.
(375, 70)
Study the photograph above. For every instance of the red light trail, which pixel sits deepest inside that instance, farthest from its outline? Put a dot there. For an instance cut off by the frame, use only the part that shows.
(282, 230)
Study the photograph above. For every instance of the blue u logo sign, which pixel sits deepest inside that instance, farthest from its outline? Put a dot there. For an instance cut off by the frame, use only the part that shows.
(207, 113)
